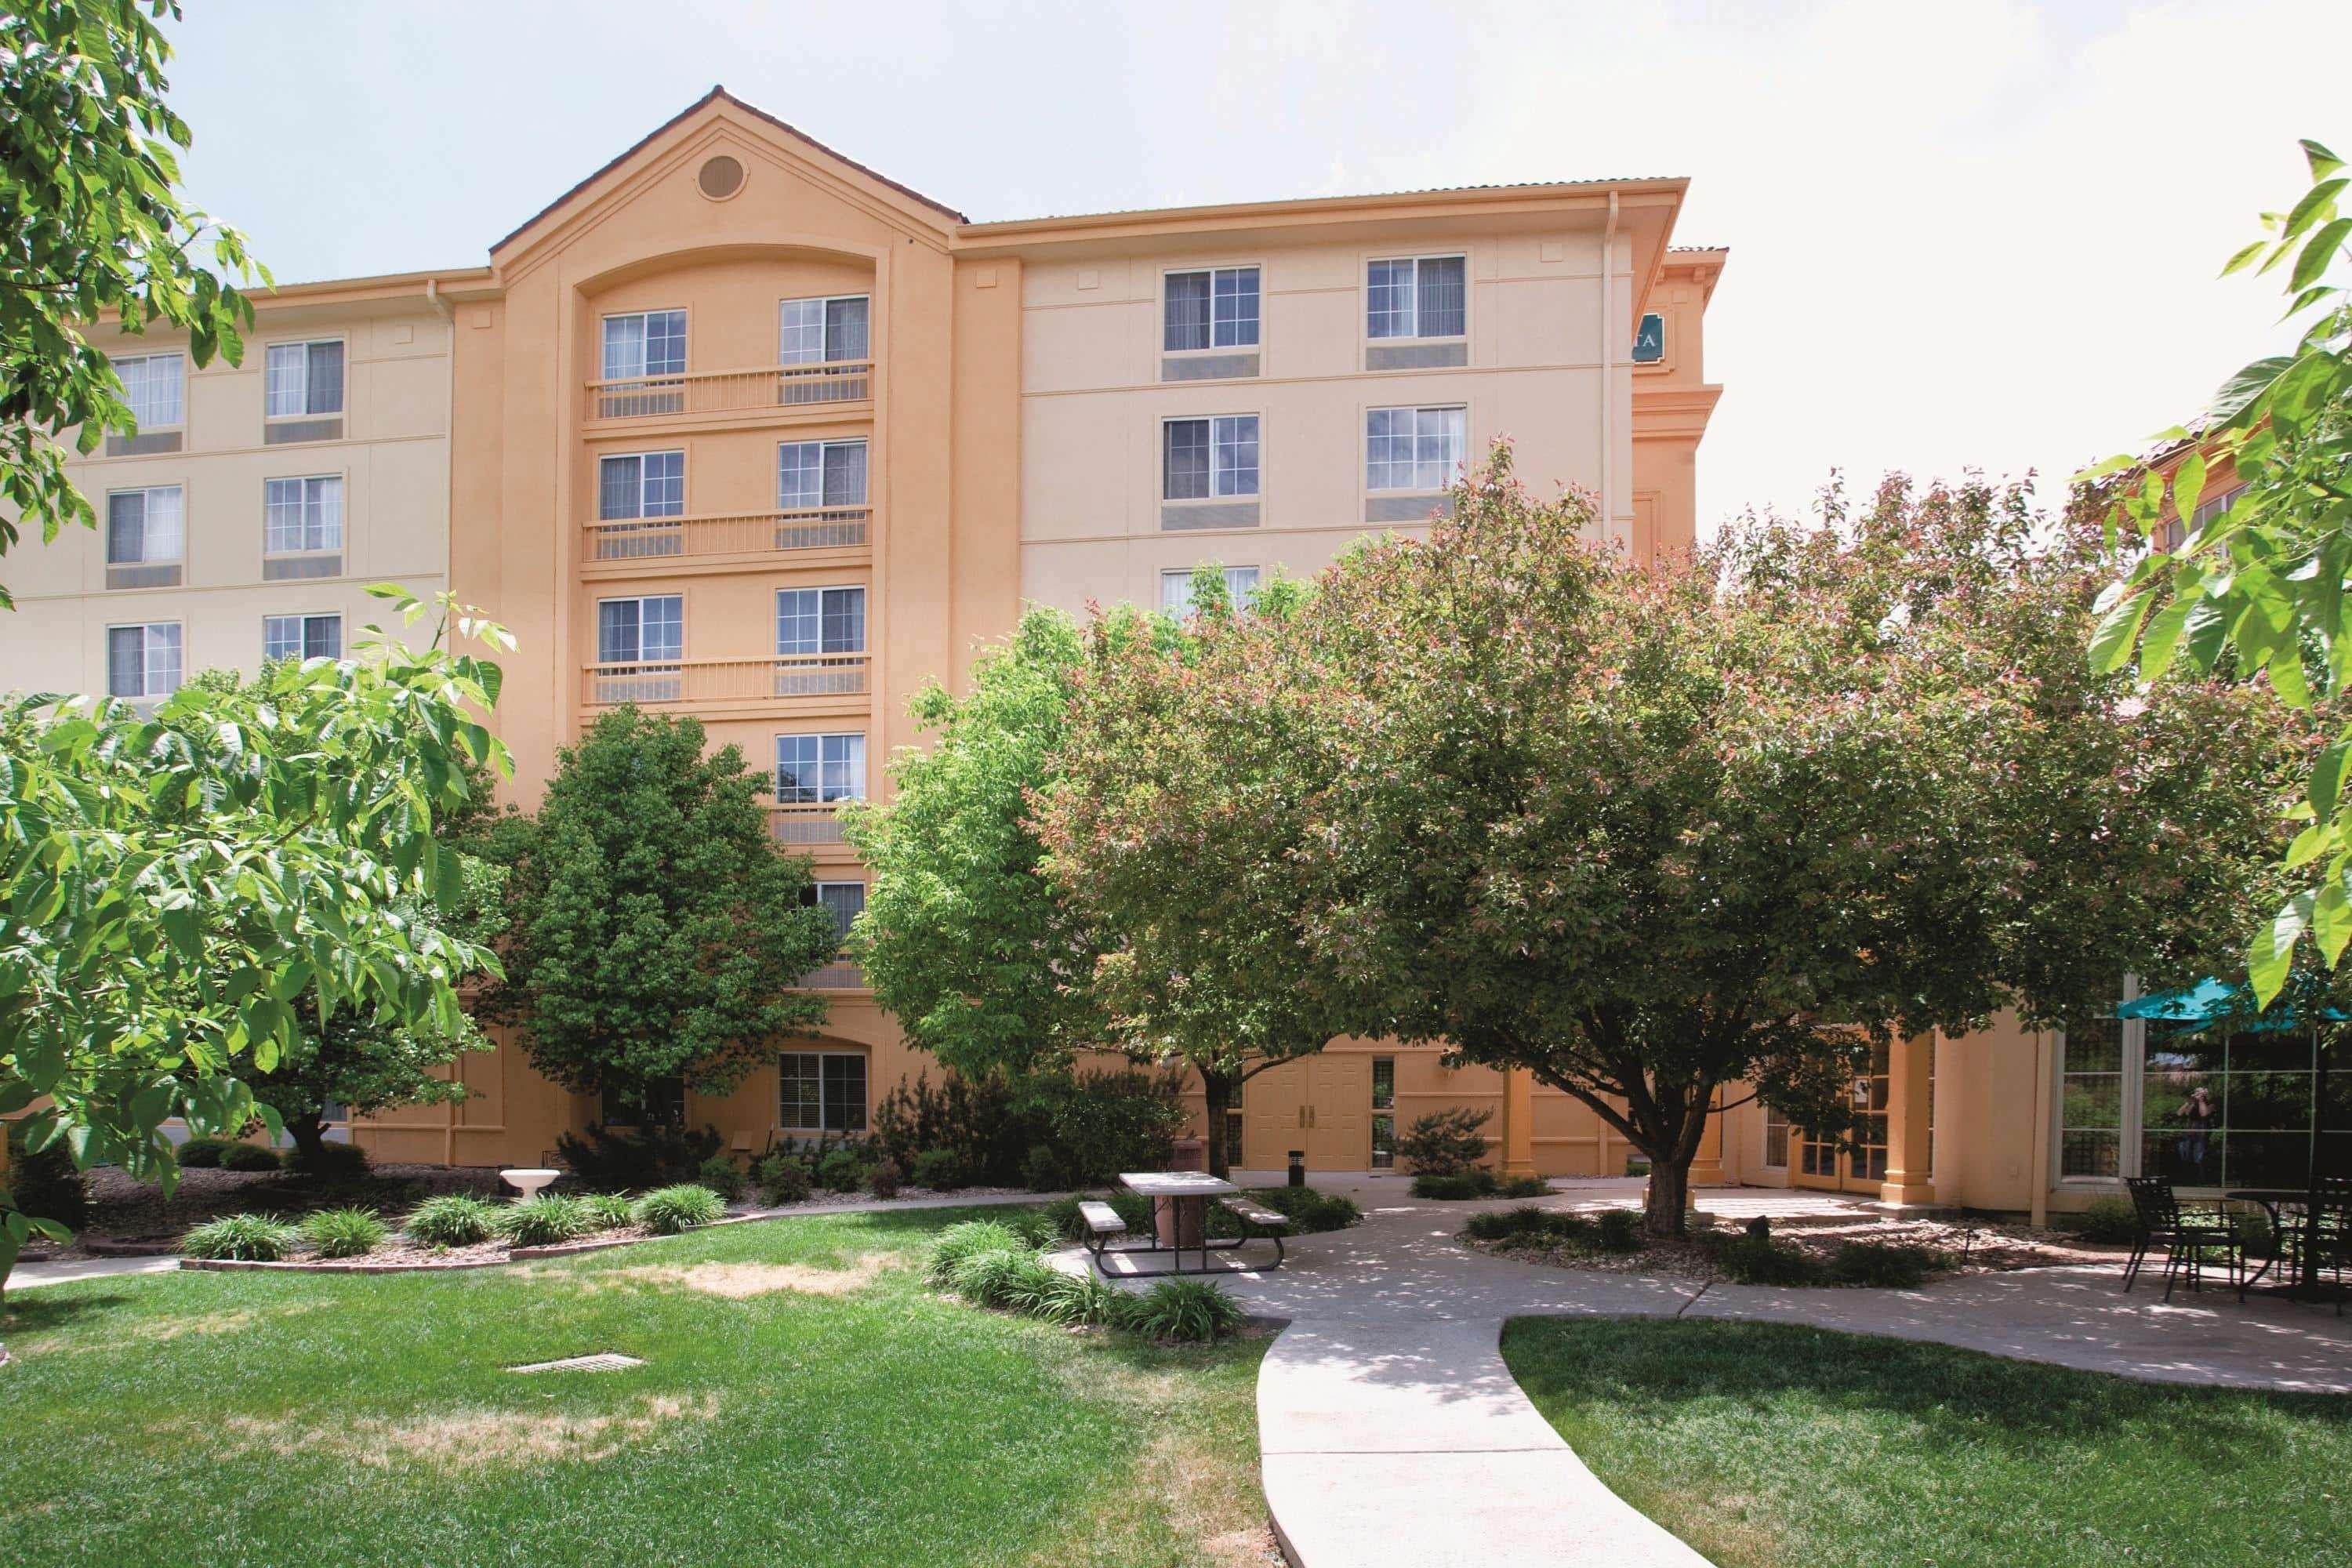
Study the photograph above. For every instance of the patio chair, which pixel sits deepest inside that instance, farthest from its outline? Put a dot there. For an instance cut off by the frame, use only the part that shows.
(2333, 1241)
(2188, 1239)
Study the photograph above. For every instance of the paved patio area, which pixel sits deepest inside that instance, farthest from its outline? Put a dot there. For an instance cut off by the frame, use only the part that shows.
(1392, 1433)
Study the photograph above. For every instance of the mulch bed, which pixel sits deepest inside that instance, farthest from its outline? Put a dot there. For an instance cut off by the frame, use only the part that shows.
(1973, 1246)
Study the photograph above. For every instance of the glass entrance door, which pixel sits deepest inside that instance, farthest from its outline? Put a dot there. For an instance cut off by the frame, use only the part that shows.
(1863, 1167)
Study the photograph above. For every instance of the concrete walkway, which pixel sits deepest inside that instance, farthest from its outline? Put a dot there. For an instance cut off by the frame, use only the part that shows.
(27, 1276)
(1392, 1433)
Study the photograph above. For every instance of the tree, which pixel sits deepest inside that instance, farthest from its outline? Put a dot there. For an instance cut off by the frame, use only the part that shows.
(1652, 835)
(655, 933)
(982, 961)
(2262, 589)
(174, 889)
(1176, 823)
(93, 228)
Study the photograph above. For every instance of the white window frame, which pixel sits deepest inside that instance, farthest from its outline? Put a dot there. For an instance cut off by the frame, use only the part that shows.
(644, 371)
(1216, 343)
(1461, 411)
(823, 1096)
(835, 884)
(825, 346)
(1224, 438)
(147, 494)
(639, 458)
(642, 661)
(337, 525)
(302, 619)
(852, 762)
(269, 388)
(1415, 334)
(147, 664)
(147, 364)
(1240, 590)
(864, 606)
(825, 450)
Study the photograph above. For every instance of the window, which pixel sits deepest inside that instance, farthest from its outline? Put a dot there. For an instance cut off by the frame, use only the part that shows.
(302, 514)
(814, 474)
(645, 343)
(1414, 448)
(641, 484)
(1176, 589)
(2091, 1099)
(143, 661)
(1415, 297)
(821, 1091)
(843, 900)
(1216, 307)
(822, 331)
(1776, 1136)
(301, 636)
(649, 630)
(154, 385)
(305, 379)
(819, 620)
(816, 769)
(1206, 457)
(143, 526)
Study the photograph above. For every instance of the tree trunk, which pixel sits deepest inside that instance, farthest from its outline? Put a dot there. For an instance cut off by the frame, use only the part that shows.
(1217, 1092)
(309, 1130)
(1669, 1197)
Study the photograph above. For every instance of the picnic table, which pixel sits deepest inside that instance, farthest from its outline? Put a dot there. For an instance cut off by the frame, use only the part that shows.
(1181, 1198)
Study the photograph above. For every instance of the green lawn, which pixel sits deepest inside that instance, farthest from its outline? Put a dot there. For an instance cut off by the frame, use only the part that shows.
(1763, 1446)
(236, 1418)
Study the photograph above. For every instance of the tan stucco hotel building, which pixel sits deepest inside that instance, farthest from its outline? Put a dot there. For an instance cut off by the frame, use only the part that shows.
(741, 428)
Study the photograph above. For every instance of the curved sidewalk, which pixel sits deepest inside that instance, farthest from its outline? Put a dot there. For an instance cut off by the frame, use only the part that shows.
(1392, 1433)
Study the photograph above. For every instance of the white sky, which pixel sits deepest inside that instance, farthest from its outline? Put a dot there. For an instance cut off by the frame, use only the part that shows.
(1973, 234)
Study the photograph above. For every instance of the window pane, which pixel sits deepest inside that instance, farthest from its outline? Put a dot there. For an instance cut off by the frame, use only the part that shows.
(665, 343)
(1388, 450)
(1235, 455)
(618, 624)
(799, 332)
(1237, 307)
(322, 637)
(322, 514)
(162, 659)
(281, 637)
(1439, 297)
(799, 618)
(166, 535)
(845, 328)
(665, 484)
(152, 387)
(1187, 312)
(283, 380)
(844, 901)
(845, 473)
(323, 388)
(126, 527)
(844, 621)
(843, 771)
(2090, 1113)
(845, 1093)
(1175, 592)
(800, 475)
(1438, 440)
(663, 626)
(797, 769)
(282, 514)
(798, 1098)
(1389, 300)
(625, 347)
(1383, 1083)
(620, 487)
(1186, 467)
(126, 661)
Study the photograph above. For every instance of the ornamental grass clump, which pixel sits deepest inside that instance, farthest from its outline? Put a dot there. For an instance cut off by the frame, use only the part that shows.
(1011, 1277)
(454, 1219)
(344, 1232)
(612, 1211)
(969, 1238)
(248, 1238)
(544, 1219)
(1195, 1311)
(666, 1210)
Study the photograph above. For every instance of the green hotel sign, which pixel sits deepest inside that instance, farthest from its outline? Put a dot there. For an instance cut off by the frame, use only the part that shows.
(1650, 343)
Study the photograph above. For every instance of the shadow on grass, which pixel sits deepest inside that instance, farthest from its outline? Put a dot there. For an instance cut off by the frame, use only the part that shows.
(36, 1310)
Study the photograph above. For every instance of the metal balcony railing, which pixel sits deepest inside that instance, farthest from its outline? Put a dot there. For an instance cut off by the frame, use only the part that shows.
(725, 679)
(730, 391)
(730, 534)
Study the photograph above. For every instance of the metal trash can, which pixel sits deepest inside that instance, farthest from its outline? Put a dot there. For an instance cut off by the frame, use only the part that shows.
(1298, 1167)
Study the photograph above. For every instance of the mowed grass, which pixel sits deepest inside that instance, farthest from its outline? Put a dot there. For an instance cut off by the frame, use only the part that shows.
(805, 1400)
(1765, 1444)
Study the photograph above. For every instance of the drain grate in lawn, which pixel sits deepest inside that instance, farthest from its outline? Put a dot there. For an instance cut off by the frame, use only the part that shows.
(603, 1361)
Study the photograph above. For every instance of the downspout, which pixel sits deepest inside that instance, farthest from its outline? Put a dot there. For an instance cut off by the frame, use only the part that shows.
(433, 297)
(1608, 361)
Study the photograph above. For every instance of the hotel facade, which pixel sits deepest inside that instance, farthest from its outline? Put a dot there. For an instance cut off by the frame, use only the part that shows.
(741, 428)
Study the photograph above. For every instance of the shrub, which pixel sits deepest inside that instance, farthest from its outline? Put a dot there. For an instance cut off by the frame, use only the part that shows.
(969, 1238)
(1528, 1185)
(544, 1219)
(454, 1219)
(843, 1170)
(2110, 1220)
(1454, 1187)
(1759, 1261)
(1504, 1224)
(343, 1233)
(333, 1163)
(46, 1183)
(722, 1176)
(783, 1179)
(1040, 1229)
(979, 1120)
(1075, 1300)
(1891, 1264)
(250, 1157)
(611, 1211)
(1099, 1123)
(205, 1154)
(1017, 1282)
(619, 1159)
(1619, 1230)
(939, 1170)
(885, 1179)
(1042, 1172)
(1311, 1212)
(255, 1238)
(1444, 1142)
(685, 1207)
(1193, 1309)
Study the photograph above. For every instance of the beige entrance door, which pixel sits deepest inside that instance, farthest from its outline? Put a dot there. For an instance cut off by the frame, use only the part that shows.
(1272, 1120)
(1339, 1112)
(1862, 1168)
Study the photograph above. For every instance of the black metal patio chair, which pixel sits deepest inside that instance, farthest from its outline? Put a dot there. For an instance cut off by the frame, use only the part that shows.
(2188, 1239)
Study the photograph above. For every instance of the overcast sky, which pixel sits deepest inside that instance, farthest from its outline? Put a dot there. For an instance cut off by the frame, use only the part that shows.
(1976, 235)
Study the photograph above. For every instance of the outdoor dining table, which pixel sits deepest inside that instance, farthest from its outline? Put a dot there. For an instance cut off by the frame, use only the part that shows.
(1186, 1194)
(2305, 1223)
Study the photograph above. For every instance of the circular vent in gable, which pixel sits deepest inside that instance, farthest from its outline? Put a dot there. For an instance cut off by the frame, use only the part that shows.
(721, 177)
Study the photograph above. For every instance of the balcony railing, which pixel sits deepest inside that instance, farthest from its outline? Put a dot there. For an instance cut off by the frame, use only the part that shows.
(804, 823)
(841, 974)
(725, 679)
(732, 533)
(730, 390)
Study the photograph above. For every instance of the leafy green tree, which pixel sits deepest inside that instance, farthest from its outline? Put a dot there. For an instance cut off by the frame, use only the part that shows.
(1177, 822)
(655, 930)
(2262, 588)
(982, 961)
(1653, 836)
(92, 227)
(175, 889)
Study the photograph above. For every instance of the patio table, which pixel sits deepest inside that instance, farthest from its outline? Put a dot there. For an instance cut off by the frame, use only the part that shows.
(2303, 1228)
(1187, 1194)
